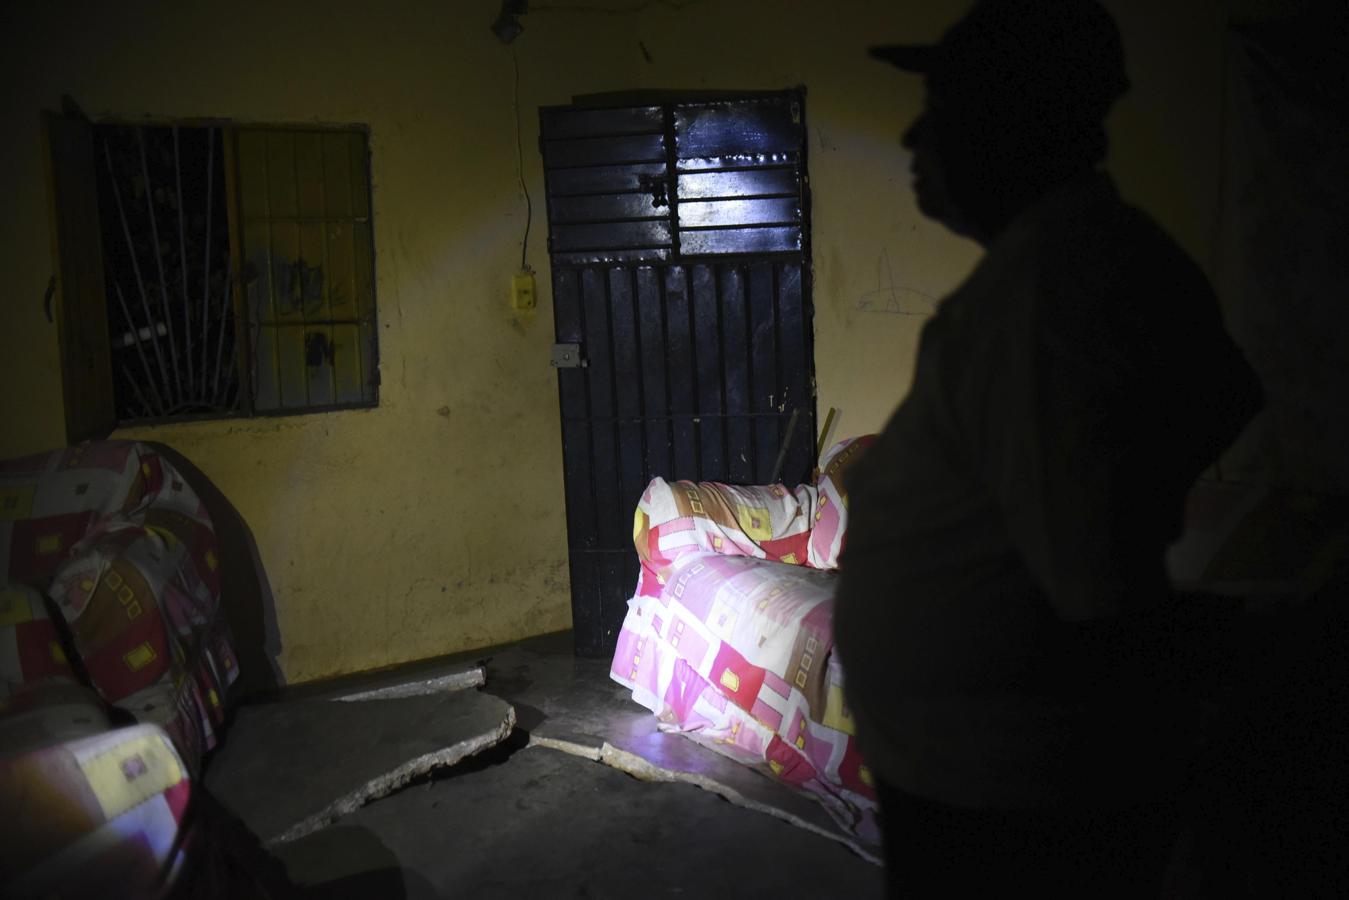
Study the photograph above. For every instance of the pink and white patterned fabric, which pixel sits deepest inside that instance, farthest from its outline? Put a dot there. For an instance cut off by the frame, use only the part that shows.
(30, 645)
(97, 816)
(113, 535)
(831, 513)
(729, 637)
(764, 522)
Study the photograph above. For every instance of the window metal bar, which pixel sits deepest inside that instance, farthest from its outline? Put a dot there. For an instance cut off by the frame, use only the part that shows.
(136, 267)
(206, 278)
(220, 340)
(198, 383)
(311, 220)
(159, 261)
(159, 407)
(135, 388)
(182, 257)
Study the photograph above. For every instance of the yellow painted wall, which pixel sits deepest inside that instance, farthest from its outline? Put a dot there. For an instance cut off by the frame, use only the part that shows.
(435, 522)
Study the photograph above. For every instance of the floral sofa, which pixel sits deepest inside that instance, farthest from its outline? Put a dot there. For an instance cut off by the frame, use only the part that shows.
(729, 637)
(114, 664)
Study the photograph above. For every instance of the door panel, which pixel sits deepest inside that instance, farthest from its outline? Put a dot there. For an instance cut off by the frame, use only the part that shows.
(619, 149)
(679, 251)
(602, 179)
(738, 184)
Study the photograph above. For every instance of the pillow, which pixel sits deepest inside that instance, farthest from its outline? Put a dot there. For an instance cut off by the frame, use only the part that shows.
(831, 511)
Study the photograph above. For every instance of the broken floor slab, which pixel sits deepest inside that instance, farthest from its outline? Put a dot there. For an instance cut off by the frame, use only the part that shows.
(290, 767)
(450, 681)
(572, 705)
(653, 761)
(671, 759)
(423, 677)
(549, 825)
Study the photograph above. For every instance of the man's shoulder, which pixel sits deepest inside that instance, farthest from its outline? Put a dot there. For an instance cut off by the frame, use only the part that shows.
(1111, 255)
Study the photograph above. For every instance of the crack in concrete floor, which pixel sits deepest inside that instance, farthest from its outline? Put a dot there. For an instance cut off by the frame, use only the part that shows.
(268, 774)
(524, 820)
(397, 778)
(290, 767)
(644, 770)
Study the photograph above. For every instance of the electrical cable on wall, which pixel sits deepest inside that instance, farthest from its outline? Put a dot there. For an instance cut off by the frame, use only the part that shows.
(520, 162)
(507, 28)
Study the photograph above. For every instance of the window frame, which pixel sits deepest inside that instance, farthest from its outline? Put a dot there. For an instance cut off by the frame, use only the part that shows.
(246, 351)
(92, 413)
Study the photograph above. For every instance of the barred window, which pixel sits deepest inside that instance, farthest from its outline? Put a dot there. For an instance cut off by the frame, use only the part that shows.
(211, 271)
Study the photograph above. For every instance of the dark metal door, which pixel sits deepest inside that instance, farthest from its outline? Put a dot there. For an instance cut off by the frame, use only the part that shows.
(679, 243)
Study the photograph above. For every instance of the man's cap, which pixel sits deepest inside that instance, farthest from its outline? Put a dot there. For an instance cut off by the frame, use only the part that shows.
(1026, 50)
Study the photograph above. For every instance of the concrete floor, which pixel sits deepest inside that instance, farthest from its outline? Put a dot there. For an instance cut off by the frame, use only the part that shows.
(536, 815)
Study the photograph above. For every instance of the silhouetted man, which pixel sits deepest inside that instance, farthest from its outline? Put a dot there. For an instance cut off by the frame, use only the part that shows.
(1003, 608)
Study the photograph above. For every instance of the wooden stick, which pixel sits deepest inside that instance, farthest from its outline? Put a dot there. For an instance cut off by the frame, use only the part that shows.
(786, 442)
(824, 435)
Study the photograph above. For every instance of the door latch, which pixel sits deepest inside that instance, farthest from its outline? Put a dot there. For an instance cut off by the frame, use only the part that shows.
(567, 356)
(656, 185)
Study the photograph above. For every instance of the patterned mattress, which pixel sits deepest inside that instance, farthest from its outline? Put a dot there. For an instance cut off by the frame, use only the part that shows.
(110, 536)
(729, 636)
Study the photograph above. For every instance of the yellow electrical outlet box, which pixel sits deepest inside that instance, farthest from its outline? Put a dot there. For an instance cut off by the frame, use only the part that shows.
(522, 290)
